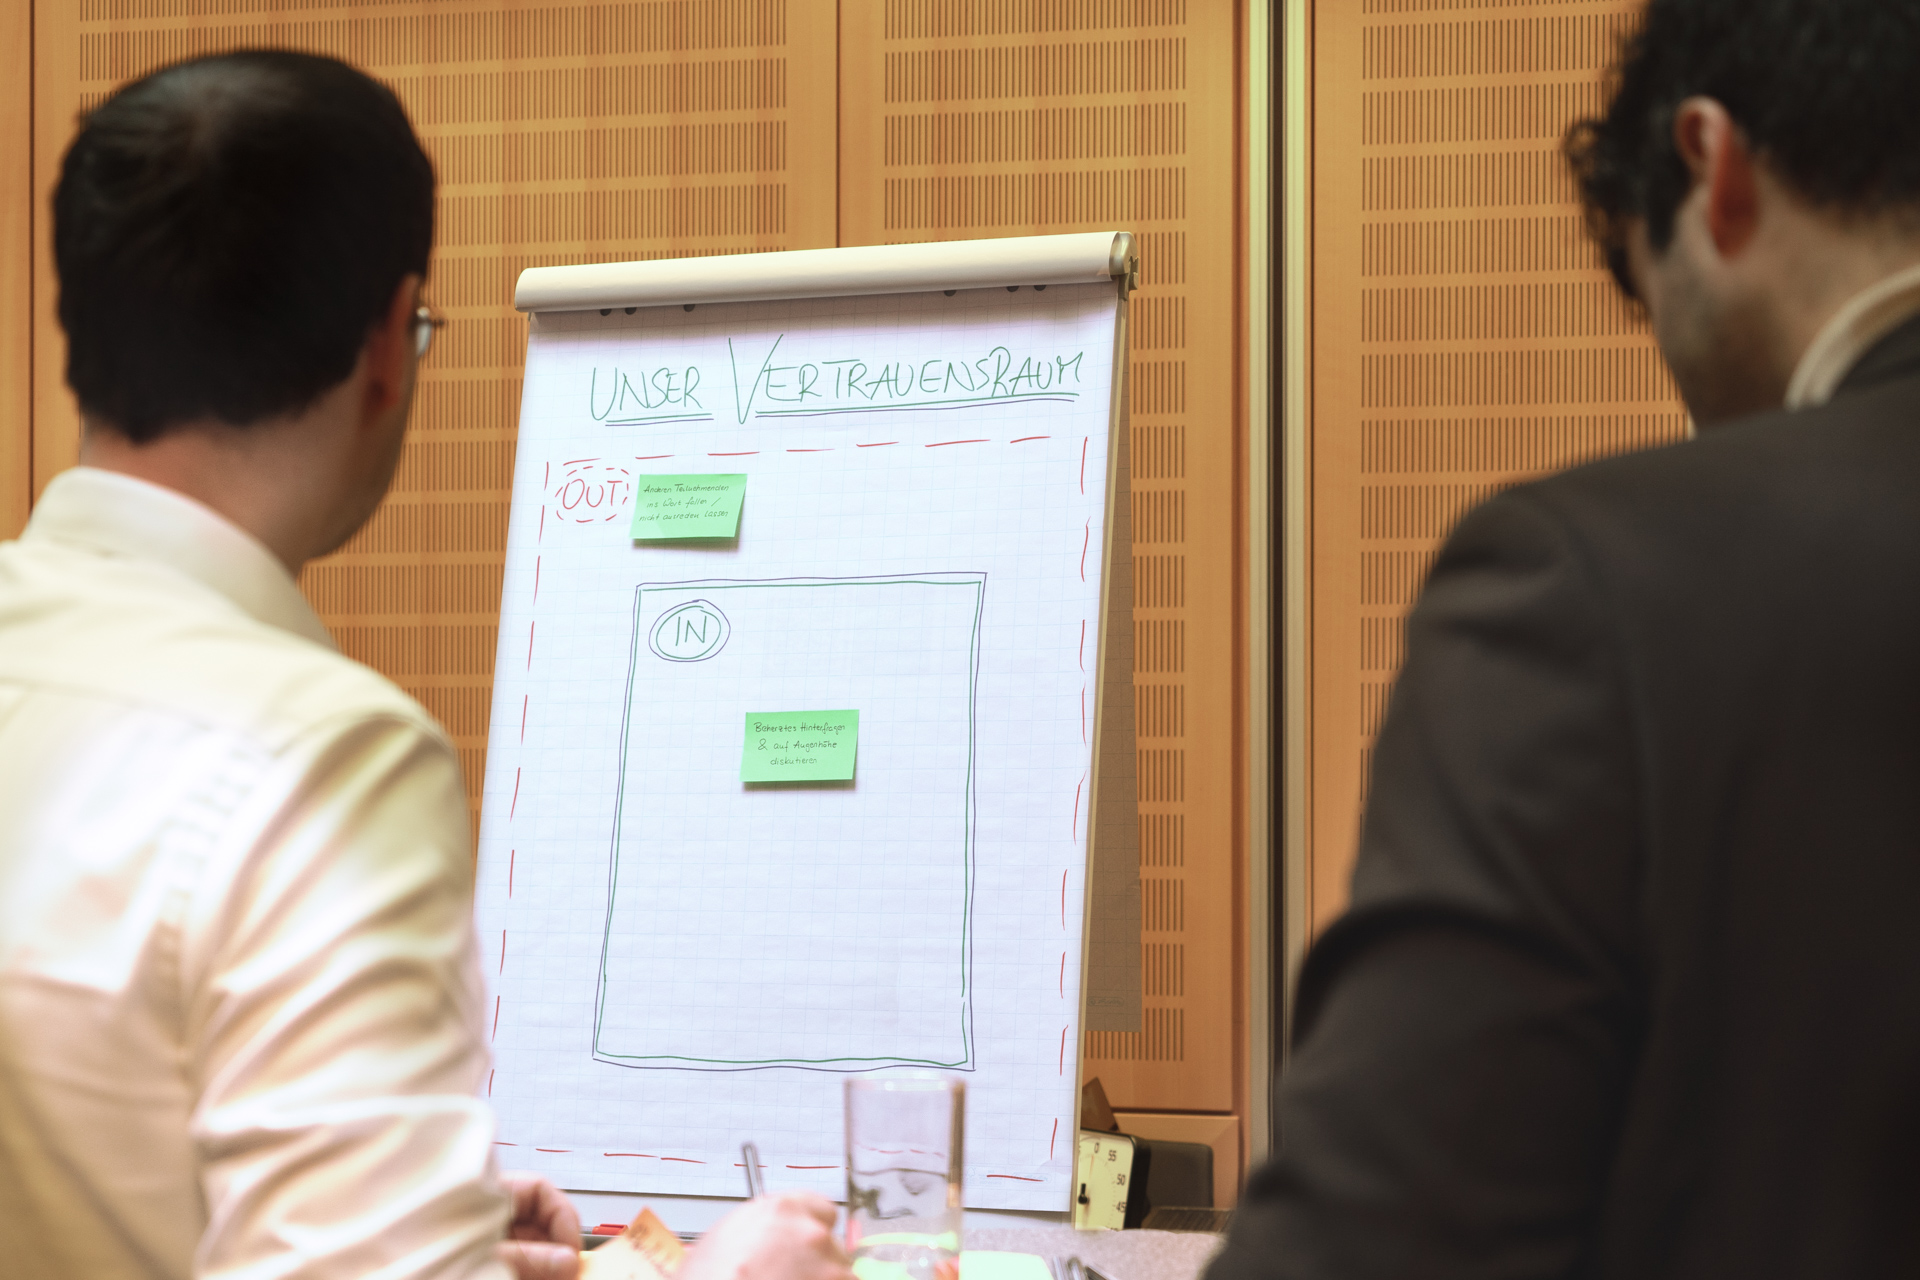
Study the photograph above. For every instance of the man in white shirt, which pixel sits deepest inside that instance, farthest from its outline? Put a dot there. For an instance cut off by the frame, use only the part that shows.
(240, 1029)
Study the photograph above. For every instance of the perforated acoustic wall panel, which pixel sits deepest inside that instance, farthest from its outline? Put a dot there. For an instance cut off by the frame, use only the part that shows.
(561, 133)
(1021, 117)
(1465, 335)
(16, 267)
(573, 132)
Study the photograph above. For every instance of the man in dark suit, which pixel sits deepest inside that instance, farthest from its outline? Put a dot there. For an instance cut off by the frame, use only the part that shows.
(1630, 986)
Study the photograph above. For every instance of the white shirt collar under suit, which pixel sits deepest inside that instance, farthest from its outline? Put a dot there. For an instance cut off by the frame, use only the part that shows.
(1868, 317)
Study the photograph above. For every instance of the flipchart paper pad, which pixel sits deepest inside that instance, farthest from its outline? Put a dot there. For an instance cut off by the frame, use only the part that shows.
(679, 962)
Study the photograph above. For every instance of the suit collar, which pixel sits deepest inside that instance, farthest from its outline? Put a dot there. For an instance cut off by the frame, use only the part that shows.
(1895, 356)
(1875, 336)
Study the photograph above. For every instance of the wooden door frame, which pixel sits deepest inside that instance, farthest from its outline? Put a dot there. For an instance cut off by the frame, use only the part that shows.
(1293, 466)
(1260, 80)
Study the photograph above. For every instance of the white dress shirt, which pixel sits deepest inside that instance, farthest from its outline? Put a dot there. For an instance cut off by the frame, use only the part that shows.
(241, 1025)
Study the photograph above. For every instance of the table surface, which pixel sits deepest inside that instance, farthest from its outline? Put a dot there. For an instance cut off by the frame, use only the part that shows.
(1119, 1255)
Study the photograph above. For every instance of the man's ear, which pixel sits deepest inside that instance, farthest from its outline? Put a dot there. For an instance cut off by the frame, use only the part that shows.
(389, 353)
(1716, 153)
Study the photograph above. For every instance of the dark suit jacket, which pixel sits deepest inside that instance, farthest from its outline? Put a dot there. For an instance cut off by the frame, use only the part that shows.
(1631, 982)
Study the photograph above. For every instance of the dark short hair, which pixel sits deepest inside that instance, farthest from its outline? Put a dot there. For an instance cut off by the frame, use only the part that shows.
(227, 231)
(1827, 92)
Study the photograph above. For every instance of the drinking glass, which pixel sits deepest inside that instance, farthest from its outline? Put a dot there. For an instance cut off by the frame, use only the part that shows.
(904, 1140)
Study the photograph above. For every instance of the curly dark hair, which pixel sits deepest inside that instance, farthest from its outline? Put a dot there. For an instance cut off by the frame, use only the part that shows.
(1827, 93)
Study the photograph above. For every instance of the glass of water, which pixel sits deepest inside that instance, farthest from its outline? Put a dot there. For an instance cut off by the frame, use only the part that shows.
(904, 1138)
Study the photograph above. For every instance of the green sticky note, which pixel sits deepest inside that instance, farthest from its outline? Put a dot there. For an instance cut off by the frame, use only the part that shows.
(800, 746)
(687, 507)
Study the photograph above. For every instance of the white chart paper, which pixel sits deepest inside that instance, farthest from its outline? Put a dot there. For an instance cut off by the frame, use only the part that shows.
(681, 961)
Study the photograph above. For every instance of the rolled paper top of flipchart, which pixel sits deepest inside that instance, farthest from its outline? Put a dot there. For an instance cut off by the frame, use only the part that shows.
(1083, 258)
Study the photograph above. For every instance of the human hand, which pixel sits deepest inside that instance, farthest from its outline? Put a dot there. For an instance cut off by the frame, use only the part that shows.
(543, 1240)
(783, 1237)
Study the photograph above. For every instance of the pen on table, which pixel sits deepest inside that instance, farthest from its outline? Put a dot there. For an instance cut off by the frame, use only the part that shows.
(751, 1156)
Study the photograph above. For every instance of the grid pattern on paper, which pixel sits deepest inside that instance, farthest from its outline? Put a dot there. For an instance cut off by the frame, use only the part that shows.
(1009, 491)
(827, 922)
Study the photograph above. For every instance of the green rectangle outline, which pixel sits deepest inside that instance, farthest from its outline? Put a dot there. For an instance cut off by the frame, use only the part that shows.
(663, 1062)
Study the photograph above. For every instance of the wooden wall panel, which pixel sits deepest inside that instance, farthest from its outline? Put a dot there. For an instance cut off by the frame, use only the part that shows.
(56, 104)
(574, 132)
(561, 133)
(16, 264)
(1026, 117)
(1465, 335)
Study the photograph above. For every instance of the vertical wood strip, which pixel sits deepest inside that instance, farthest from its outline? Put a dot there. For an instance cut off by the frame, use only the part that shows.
(56, 106)
(16, 265)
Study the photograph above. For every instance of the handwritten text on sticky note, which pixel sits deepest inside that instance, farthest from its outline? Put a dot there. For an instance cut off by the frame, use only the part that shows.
(800, 746)
(687, 506)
